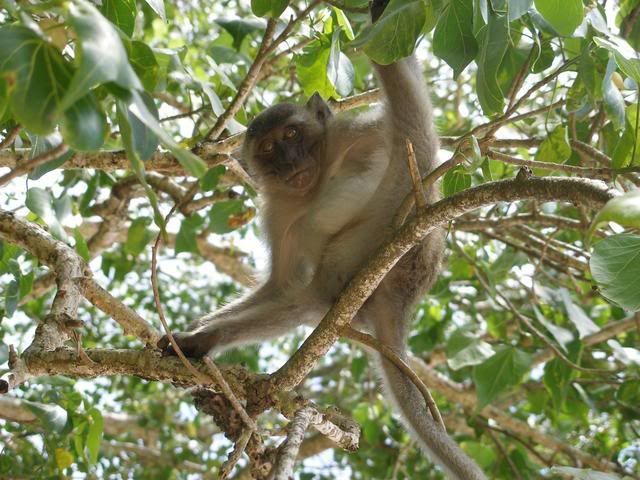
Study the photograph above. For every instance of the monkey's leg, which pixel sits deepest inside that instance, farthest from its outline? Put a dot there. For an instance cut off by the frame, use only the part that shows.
(385, 315)
(262, 315)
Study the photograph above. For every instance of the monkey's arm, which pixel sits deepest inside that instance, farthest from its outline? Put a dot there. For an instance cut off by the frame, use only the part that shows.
(262, 315)
(408, 110)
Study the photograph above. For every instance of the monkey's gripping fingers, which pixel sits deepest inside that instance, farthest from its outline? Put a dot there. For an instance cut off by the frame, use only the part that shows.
(192, 344)
(377, 8)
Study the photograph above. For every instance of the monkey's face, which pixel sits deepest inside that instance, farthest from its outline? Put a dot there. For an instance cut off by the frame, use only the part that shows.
(284, 145)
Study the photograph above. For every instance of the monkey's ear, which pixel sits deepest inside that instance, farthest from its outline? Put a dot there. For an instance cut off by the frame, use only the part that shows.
(319, 108)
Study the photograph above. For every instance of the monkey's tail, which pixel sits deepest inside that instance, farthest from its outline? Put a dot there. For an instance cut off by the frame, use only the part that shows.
(432, 439)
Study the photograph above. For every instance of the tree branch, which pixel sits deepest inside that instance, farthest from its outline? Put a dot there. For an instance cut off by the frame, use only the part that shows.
(29, 164)
(288, 451)
(54, 331)
(588, 193)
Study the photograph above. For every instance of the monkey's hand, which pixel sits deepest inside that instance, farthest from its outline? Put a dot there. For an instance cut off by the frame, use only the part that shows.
(193, 344)
(377, 7)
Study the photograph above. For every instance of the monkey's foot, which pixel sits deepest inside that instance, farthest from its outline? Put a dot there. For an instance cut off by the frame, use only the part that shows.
(192, 344)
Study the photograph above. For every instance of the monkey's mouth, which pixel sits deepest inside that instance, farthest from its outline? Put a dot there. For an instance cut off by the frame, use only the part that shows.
(301, 178)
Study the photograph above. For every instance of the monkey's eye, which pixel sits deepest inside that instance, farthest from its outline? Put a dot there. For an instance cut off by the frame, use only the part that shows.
(290, 132)
(267, 146)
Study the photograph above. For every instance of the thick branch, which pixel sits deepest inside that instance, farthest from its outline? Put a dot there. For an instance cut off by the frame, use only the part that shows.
(129, 320)
(66, 264)
(587, 193)
(145, 364)
(288, 451)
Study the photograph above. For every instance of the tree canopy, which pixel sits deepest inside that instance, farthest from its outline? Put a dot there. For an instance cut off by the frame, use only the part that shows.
(125, 205)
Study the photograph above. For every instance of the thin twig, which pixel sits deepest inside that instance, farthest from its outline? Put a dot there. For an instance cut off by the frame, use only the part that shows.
(29, 165)
(371, 342)
(589, 172)
(414, 171)
(156, 291)
(228, 392)
(246, 86)
(268, 45)
(519, 80)
(10, 137)
(529, 324)
(505, 454)
(235, 455)
(213, 369)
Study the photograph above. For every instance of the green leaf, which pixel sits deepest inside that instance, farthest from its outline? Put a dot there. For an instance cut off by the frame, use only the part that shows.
(484, 455)
(624, 210)
(358, 367)
(394, 34)
(209, 180)
(122, 13)
(493, 40)
(158, 7)
(81, 245)
(453, 39)
(42, 144)
(138, 236)
(239, 28)
(40, 202)
(580, 320)
(220, 213)
(192, 164)
(11, 298)
(38, 75)
(64, 459)
(518, 8)
(615, 266)
(505, 369)
(26, 283)
(137, 166)
(455, 180)
(343, 22)
(558, 376)
(94, 435)
(260, 7)
(561, 335)
(52, 417)
(100, 55)
(563, 15)
(4, 99)
(340, 71)
(186, 237)
(627, 150)
(625, 56)
(144, 63)
(274, 8)
(466, 349)
(555, 148)
(613, 101)
(145, 141)
(312, 68)
(84, 125)
(278, 6)
(629, 392)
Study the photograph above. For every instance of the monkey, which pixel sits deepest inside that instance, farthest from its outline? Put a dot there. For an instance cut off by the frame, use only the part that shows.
(330, 186)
